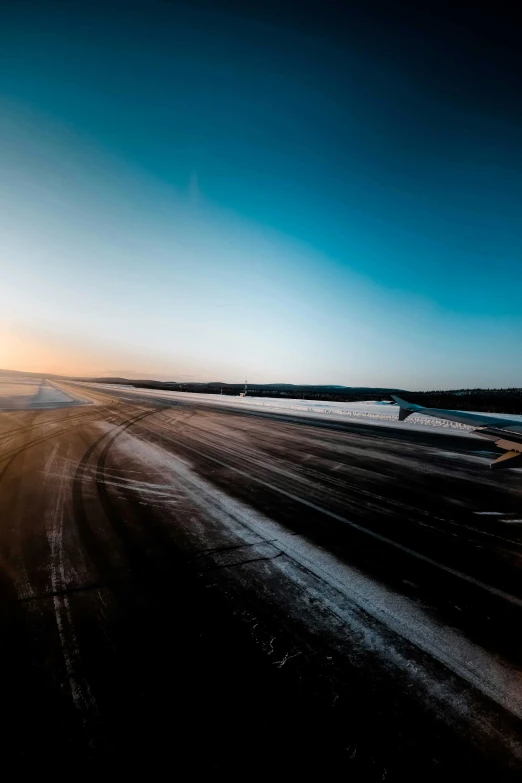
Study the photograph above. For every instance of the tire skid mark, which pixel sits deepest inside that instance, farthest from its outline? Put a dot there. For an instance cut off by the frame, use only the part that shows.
(6, 466)
(251, 455)
(9, 456)
(257, 463)
(81, 693)
(79, 688)
(90, 540)
(49, 462)
(53, 422)
(134, 552)
(498, 593)
(8, 575)
(399, 615)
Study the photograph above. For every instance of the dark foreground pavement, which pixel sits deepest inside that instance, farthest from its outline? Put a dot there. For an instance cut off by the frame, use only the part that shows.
(187, 590)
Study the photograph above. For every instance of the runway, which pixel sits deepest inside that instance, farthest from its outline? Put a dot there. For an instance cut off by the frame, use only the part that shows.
(224, 589)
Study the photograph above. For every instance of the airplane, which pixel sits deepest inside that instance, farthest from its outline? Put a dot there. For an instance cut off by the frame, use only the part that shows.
(507, 433)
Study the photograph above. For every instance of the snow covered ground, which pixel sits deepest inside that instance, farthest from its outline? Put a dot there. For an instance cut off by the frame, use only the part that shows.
(18, 393)
(370, 412)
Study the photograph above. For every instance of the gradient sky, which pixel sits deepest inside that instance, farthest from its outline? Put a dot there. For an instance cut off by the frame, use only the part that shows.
(283, 192)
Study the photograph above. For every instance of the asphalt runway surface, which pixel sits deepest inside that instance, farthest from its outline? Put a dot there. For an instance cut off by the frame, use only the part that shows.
(192, 590)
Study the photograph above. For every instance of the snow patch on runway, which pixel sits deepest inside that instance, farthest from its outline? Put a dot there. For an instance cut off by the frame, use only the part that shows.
(31, 393)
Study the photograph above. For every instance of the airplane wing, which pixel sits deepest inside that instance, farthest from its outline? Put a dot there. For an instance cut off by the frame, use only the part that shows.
(507, 433)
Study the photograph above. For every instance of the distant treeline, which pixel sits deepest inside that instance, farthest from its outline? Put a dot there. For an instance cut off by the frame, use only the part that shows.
(488, 400)
(328, 393)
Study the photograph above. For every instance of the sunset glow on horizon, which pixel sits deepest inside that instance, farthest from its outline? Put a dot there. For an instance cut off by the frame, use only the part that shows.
(172, 207)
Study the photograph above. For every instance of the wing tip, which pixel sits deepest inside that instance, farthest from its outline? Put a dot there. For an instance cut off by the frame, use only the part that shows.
(405, 408)
(511, 459)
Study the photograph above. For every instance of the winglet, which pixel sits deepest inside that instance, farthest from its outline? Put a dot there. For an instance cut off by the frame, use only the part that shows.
(406, 408)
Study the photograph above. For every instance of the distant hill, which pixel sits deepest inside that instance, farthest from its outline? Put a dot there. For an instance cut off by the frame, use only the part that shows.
(42, 375)
(21, 374)
(258, 390)
(487, 400)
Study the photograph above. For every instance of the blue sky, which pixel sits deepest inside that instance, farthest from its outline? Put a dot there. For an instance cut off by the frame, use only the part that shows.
(190, 193)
